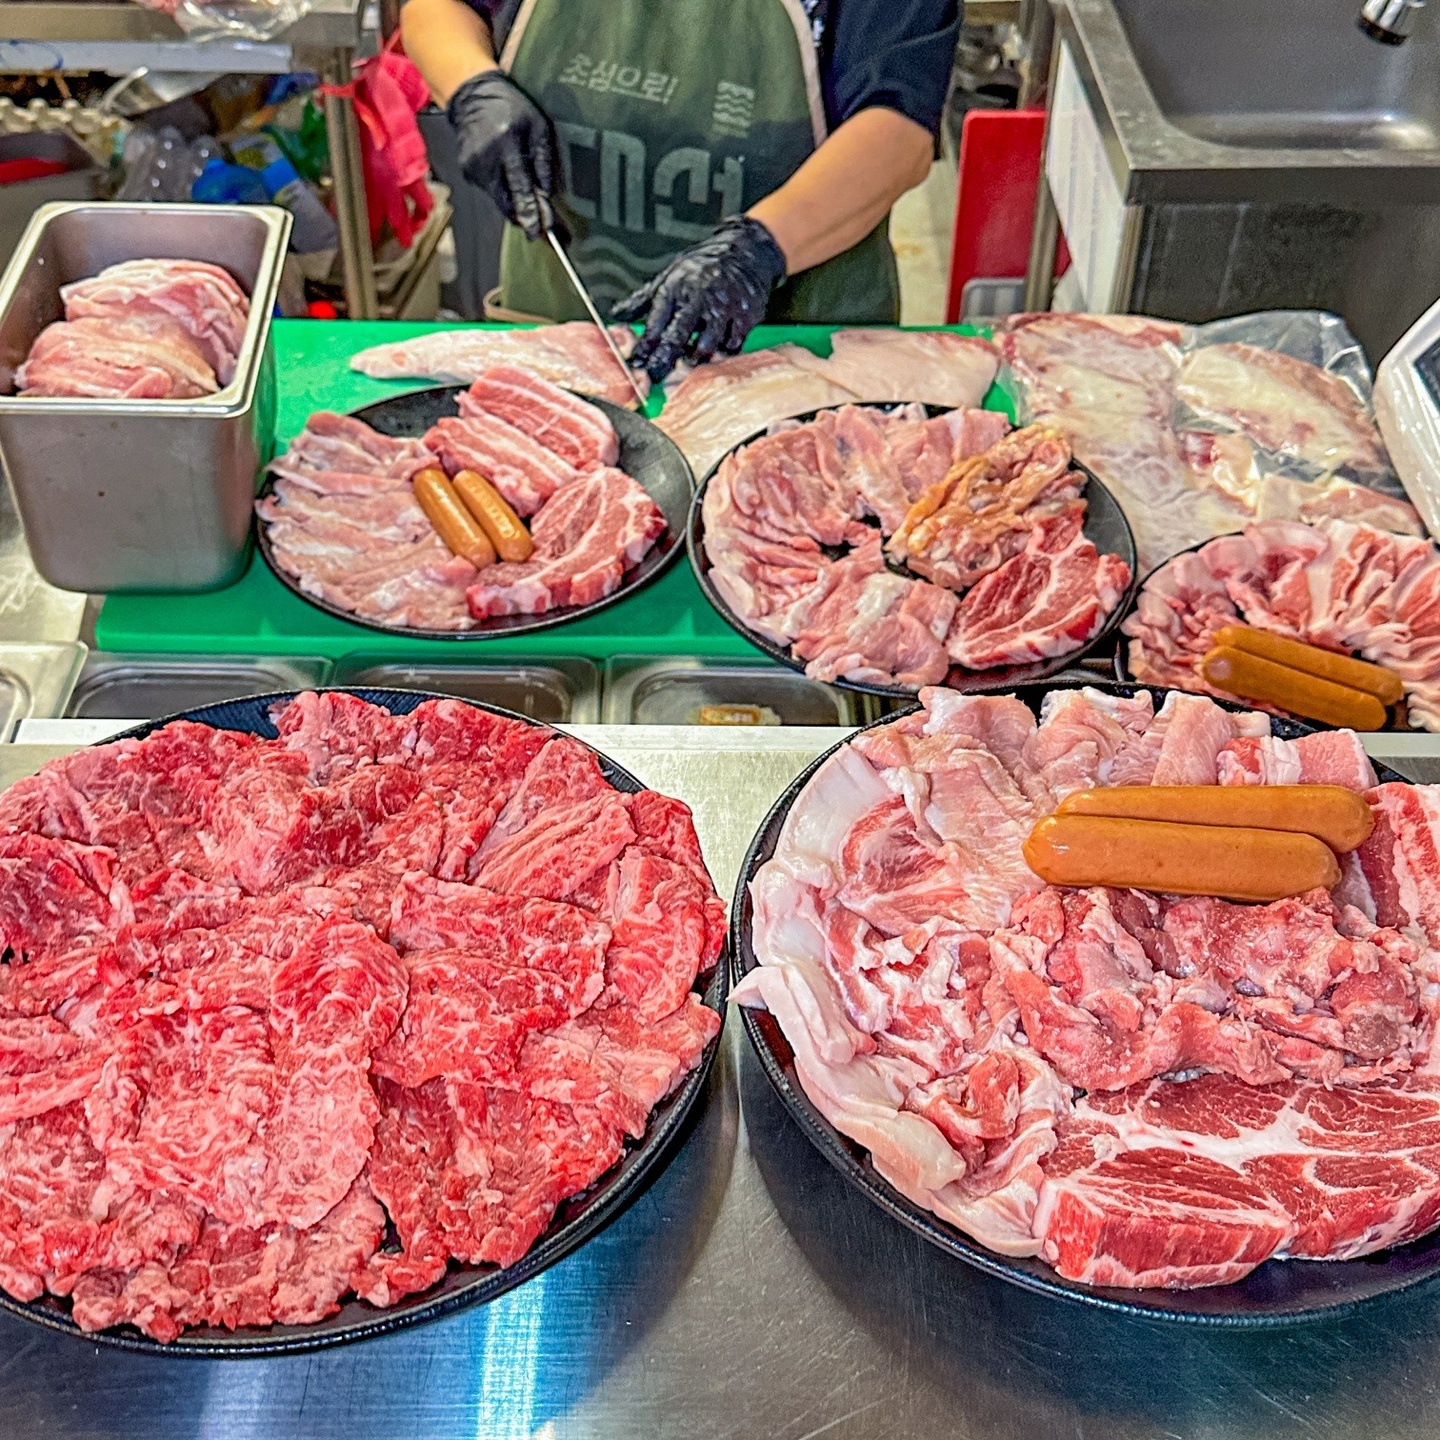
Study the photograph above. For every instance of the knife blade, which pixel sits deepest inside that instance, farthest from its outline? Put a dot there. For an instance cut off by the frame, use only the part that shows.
(589, 305)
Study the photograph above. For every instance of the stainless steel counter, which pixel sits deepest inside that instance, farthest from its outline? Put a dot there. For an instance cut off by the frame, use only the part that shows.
(748, 1293)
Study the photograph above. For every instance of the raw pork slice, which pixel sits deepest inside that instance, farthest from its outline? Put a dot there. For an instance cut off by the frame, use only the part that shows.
(572, 355)
(1196, 1182)
(203, 299)
(1048, 600)
(129, 357)
(586, 538)
(343, 521)
(934, 367)
(1348, 588)
(523, 470)
(578, 433)
(714, 407)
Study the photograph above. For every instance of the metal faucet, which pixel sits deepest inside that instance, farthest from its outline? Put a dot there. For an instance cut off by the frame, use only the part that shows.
(1389, 21)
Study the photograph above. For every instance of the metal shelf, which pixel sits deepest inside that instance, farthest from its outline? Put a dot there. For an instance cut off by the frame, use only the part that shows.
(76, 35)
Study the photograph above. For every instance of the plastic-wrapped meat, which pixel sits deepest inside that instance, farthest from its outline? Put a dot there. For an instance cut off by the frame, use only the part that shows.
(202, 298)
(585, 538)
(129, 357)
(1048, 600)
(1285, 405)
(982, 512)
(572, 355)
(1349, 588)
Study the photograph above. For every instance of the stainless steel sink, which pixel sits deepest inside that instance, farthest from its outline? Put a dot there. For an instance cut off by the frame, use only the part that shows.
(1287, 74)
(1265, 155)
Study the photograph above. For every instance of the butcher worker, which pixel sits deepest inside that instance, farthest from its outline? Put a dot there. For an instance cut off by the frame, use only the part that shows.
(712, 163)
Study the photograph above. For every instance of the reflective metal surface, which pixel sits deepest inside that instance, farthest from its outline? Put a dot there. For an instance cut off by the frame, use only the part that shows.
(1289, 74)
(748, 1294)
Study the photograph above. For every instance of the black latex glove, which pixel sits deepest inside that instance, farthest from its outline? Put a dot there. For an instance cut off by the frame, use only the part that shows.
(507, 148)
(707, 299)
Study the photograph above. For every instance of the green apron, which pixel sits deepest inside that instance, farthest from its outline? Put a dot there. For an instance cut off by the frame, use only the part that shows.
(670, 115)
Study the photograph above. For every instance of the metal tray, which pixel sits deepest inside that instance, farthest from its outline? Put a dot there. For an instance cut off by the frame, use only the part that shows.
(559, 692)
(577, 1219)
(1105, 525)
(649, 456)
(671, 691)
(1278, 1292)
(121, 495)
(116, 686)
(1394, 722)
(36, 680)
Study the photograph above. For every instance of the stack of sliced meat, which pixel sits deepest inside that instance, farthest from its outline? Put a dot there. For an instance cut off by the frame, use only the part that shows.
(142, 330)
(1348, 588)
(1195, 439)
(344, 522)
(714, 407)
(965, 502)
(572, 355)
(1146, 1091)
(264, 994)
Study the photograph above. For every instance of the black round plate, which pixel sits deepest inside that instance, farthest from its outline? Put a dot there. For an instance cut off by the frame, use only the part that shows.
(1122, 644)
(577, 1219)
(1105, 527)
(649, 456)
(1277, 1293)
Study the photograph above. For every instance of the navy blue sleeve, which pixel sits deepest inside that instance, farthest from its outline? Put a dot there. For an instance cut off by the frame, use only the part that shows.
(895, 53)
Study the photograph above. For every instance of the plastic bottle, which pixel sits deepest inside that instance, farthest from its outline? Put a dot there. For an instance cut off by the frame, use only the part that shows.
(314, 228)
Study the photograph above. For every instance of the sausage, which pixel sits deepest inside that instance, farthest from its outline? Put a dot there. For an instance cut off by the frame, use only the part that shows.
(1233, 862)
(1385, 685)
(1247, 675)
(452, 521)
(1339, 817)
(510, 538)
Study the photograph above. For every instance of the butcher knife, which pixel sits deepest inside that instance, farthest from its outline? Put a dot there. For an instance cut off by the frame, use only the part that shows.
(589, 305)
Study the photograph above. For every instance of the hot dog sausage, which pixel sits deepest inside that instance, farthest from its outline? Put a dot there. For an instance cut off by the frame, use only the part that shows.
(1231, 862)
(1247, 675)
(452, 521)
(1339, 817)
(510, 538)
(1376, 680)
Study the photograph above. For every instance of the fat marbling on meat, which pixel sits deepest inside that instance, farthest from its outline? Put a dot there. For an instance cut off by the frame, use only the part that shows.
(259, 989)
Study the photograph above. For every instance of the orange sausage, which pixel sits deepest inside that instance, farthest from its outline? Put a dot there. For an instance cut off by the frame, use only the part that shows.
(1241, 673)
(1385, 685)
(452, 521)
(1232, 862)
(1339, 817)
(510, 538)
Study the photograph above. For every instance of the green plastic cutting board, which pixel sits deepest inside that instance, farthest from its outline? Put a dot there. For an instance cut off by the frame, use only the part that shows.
(257, 615)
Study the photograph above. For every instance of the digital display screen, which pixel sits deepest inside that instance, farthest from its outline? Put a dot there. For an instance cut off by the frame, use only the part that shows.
(1429, 367)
